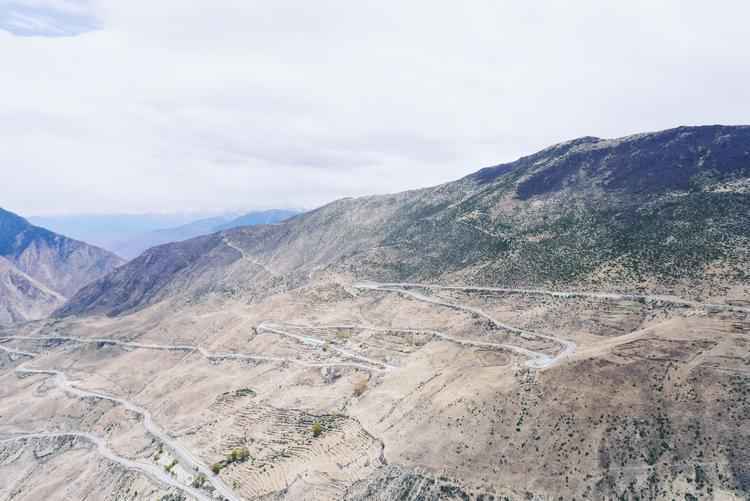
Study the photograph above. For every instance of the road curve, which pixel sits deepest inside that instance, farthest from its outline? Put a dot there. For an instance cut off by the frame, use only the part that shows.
(279, 329)
(154, 472)
(245, 257)
(538, 360)
(565, 294)
(189, 348)
(463, 342)
(181, 453)
(16, 352)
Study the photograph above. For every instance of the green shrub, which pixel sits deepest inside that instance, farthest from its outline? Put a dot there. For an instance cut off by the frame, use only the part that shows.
(317, 429)
(199, 481)
(238, 455)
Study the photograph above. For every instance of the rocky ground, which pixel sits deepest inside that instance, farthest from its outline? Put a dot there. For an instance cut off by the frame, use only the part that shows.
(363, 393)
(572, 325)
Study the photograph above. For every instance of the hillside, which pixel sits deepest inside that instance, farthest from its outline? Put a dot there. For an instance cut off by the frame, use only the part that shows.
(572, 325)
(667, 210)
(23, 298)
(41, 268)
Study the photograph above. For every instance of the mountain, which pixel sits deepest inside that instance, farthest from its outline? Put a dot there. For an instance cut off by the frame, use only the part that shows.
(23, 298)
(107, 230)
(39, 268)
(570, 325)
(135, 245)
(669, 210)
(271, 216)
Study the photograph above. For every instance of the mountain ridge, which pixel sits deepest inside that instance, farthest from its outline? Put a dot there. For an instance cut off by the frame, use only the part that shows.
(560, 216)
(135, 245)
(41, 265)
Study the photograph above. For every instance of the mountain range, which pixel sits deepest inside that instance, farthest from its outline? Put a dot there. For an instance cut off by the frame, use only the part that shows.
(134, 245)
(570, 325)
(665, 210)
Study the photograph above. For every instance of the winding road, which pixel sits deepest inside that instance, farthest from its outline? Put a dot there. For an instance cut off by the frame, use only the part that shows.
(16, 352)
(537, 360)
(279, 329)
(202, 351)
(180, 453)
(154, 472)
(245, 257)
(438, 334)
(563, 294)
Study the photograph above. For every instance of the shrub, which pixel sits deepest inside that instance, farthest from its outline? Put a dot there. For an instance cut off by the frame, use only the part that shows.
(199, 481)
(216, 468)
(317, 429)
(238, 455)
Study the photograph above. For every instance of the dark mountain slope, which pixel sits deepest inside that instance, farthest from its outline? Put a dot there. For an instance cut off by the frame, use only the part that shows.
(38, 263)
(662, 210)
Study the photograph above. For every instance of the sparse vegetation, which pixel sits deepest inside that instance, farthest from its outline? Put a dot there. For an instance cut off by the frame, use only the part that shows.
(199, 481)
(316, 429)
(169, 467)
(343, 335)
(238, 455)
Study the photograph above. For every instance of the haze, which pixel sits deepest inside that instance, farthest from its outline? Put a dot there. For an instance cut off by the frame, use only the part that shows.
(112, 106)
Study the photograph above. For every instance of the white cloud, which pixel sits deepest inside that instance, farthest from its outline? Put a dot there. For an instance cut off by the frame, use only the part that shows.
(236, 104)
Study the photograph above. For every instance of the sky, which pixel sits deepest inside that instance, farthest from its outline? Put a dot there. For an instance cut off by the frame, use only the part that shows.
(142, 106)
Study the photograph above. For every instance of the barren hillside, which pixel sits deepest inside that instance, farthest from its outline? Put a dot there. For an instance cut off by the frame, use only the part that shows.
(40, 268)
(572, 325)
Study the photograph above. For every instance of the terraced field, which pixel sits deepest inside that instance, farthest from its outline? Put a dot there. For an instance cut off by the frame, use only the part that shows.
(364, 397)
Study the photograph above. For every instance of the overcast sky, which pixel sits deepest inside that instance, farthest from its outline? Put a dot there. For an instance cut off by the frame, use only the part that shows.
(167, 105)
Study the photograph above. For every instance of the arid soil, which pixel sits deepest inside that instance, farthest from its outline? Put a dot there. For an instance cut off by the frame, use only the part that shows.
(339, 390)
(571, 325)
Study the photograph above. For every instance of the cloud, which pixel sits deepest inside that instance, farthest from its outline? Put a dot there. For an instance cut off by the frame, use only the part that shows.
(51, 18)
(242, 104)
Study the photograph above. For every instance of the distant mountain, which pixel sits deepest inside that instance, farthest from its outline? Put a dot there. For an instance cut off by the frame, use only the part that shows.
(271, 216)
(107, 230)
(670, 208)
(134, 246)
(39, 268)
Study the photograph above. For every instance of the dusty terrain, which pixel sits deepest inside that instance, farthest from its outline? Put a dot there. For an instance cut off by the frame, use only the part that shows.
(438, 393)
(572, 325)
